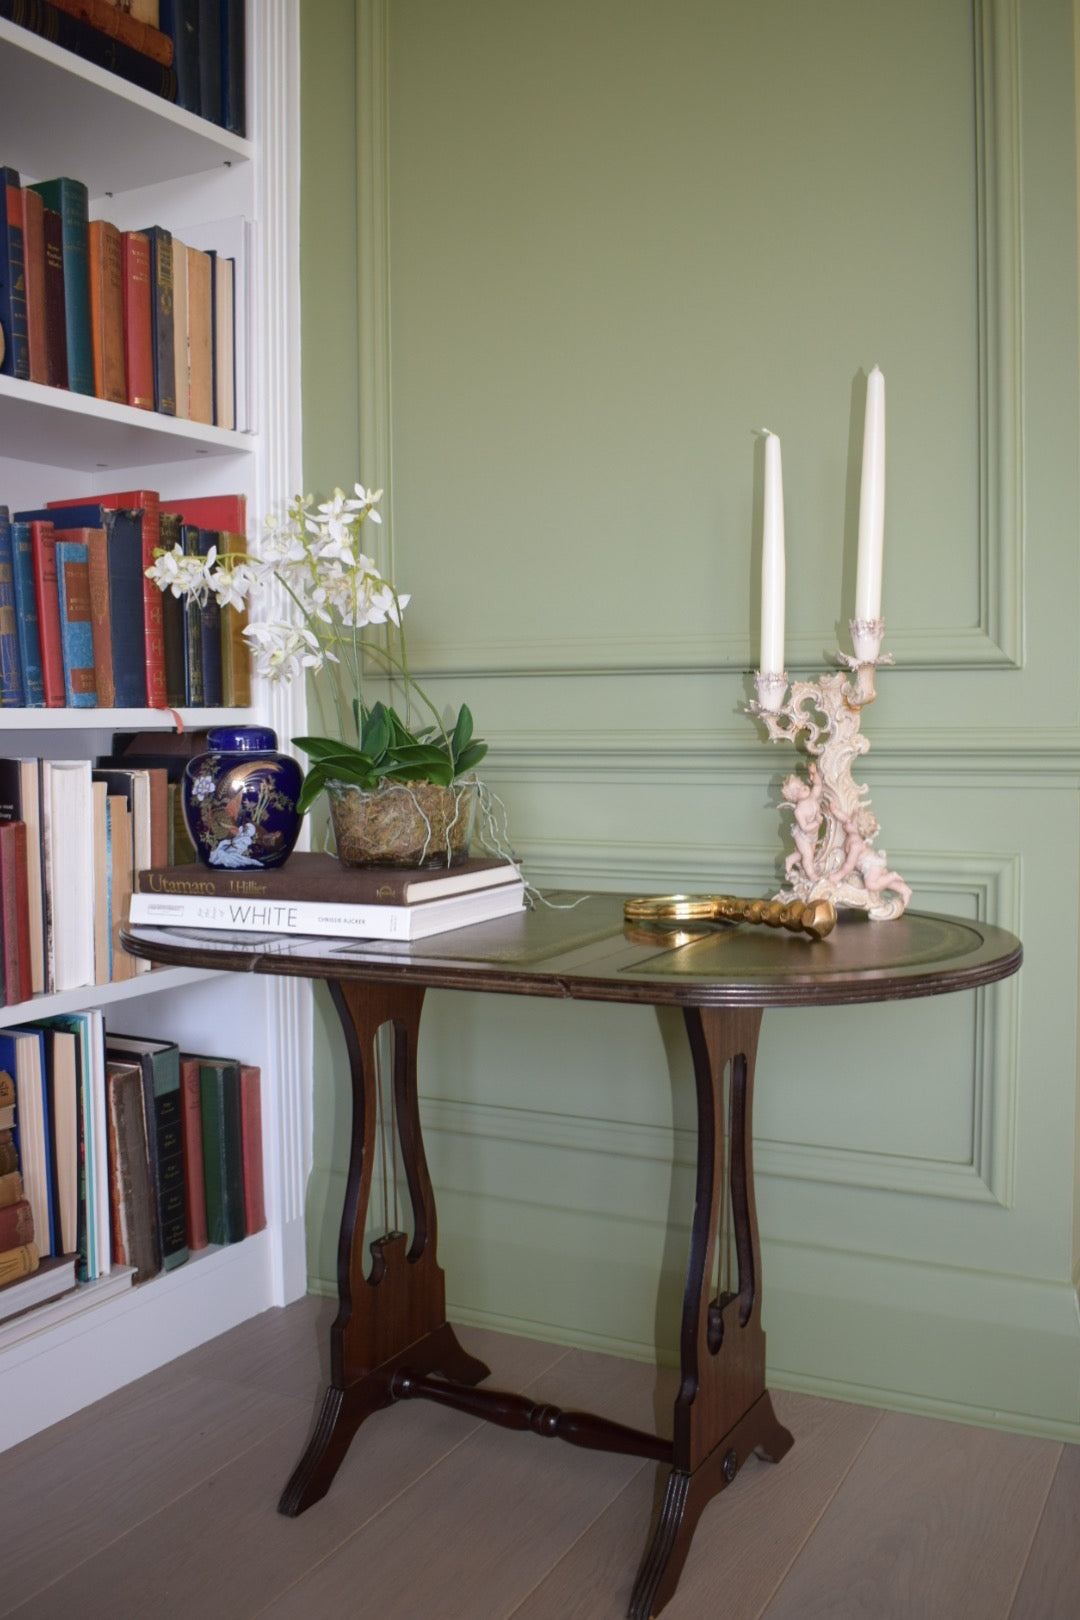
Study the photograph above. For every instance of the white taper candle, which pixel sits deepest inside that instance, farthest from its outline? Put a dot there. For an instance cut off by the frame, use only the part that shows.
(772, 563)
(871, 502)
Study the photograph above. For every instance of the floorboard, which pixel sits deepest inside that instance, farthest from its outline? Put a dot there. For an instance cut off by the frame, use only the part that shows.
(162, 1499)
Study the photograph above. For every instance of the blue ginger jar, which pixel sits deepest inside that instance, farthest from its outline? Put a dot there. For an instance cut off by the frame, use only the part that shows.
(239, 798)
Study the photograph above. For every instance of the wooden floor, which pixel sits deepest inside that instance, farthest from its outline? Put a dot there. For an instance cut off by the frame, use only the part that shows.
(160, 1501)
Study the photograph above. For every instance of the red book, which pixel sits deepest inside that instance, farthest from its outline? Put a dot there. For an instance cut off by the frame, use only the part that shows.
(55, 307)
(34, 260)
(138, 330)
(226, 513)
(195, 1175)
(150, 503)
(47, 596)
(14, 919)
(17, 1219)
(251, 1143)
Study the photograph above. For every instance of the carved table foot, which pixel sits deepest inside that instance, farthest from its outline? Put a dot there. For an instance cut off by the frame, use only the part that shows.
(344, 1410)
(687, 1496)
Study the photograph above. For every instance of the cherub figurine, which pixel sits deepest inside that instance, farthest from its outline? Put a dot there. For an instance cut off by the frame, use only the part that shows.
(860, 830)
(805, 801)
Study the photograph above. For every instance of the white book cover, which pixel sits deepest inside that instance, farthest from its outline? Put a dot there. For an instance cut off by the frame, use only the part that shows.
(69, 870)
(327, 917)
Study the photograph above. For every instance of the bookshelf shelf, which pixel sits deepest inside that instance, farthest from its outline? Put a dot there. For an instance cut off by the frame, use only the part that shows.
(50, 427)
(103, 995)
(127, 137)
(144, 162)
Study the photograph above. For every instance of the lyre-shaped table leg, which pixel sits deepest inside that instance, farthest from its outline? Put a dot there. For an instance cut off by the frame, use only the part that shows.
(722, 1411)
(399, 1306)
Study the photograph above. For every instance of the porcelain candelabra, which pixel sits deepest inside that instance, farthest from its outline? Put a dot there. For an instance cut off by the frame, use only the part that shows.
(833, 826)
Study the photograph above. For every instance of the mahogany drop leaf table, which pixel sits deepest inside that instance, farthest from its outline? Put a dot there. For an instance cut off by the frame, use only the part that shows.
(391, 1340)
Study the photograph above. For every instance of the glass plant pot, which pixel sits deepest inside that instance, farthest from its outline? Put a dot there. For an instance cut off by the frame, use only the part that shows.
(409, 824)
(239, 798)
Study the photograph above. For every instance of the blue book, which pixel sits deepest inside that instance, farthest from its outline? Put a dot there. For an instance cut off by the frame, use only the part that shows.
(22, 1054)
(11, 686)
(76, 630)
(70, 199)
(233, 70)
(16, 361)
(26, 616)
(180, 20)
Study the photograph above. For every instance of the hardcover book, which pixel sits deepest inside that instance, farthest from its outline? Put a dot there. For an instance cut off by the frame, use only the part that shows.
(331, 918)
(211, 632)
(55, 310)
(159, 1062)
(200, 336)
(308, 875)
(39, 532)
(26, 616)
(96, 542)
(138, 319)
(70, 199)
(12, 692)
(15, 913)
(251, 1139)
(22, 1055)
(76, 632)
(130, 503)
(210, 46)
(131, 1203)
(195, 1174)
(61, 1049)
(111, 18)
(162, 351)
(34, 259)
(16, 357)
(19, 802)
(181, 367)
(179, 19)
(233, 67)
(173, 625)
(68, 867)
(107, 311)
(78, 36)
(223, 1150)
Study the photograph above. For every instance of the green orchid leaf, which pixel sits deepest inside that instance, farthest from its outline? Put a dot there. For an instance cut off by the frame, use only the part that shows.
(470, 757)
(463, 731)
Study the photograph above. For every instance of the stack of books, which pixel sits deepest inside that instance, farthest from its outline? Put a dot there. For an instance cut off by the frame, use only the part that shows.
(316, 894)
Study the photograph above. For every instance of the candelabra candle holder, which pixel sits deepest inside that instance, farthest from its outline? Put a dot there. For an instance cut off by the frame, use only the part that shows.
(833, 825)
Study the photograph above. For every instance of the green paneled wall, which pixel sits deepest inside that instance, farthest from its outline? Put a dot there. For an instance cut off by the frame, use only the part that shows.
(560, 262)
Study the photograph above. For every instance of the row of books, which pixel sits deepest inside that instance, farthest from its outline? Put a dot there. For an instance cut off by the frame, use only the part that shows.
(120, 1151)
(81, 625)
(73, 838)
(191, 52)
(136, 317)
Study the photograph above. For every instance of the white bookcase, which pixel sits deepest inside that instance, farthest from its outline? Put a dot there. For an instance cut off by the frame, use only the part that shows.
(146, 162)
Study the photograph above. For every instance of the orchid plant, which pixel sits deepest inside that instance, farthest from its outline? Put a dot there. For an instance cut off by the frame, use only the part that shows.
(346, 624)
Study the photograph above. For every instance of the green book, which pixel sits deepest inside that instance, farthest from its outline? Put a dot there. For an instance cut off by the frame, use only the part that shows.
(160, 1065)
(223, 1151)
(70, 199)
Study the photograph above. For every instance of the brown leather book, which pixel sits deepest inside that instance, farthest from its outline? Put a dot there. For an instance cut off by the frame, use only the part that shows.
(307, 875)
(138, 339)
(251, 1144)
(55, 306)
(34, 261)
(131, 1191)
(195, 1176)
(107, 311)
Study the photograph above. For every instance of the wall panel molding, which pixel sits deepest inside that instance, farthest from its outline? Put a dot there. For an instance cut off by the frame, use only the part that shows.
(992, 885)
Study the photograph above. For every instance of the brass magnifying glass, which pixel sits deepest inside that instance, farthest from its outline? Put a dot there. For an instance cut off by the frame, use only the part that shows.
(814, 917)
